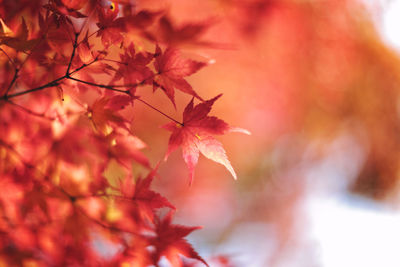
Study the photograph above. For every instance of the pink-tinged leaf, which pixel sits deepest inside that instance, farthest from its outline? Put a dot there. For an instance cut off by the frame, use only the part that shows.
(212, 149)
(239, 130)
(194, 135)
(176, 138)
(190, 153)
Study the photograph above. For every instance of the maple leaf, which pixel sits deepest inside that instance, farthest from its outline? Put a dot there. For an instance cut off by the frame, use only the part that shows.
(20, 40)
(170, 242)
(134, 69)
(110, 28)
(84, 50)
(125, 147)
(104, 111)
(171, 68)
(146, 200)
(194, 135)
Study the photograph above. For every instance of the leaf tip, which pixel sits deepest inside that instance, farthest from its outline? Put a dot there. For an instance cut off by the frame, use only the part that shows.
(239, 130)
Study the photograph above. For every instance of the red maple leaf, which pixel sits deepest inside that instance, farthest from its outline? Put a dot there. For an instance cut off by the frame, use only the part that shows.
(194, 135)
(134, 69)
(110, 27)
(171, 68)
(146, 200)
(18, 41)
(103, 113)
(170, 242)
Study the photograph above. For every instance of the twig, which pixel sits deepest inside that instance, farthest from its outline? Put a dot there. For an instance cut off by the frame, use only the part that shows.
(9, 58)
(75, 45)
(159, 111)
(109, 87)
(50, 84)
(31, 112)
(12, 81)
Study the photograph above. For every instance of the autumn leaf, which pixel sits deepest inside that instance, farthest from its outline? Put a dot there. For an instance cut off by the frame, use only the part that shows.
(19, 41)
(110, 27)
(194, 135)
(146, 200)
(170, 242)
(188, 33)
(133, 68)
(172, 68)
(103, 113)
(126, 147)
(84, 50)
(5, 31)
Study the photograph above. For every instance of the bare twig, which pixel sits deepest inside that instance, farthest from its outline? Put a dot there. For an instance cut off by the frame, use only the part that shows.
(31, 112)
(75, 45)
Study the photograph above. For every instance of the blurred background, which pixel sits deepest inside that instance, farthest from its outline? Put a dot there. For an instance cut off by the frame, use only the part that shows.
(317, 84)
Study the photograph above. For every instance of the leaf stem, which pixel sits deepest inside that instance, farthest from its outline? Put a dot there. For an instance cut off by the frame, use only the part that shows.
(112, 88)
(159, 111)
(90, 35)
(109, 87)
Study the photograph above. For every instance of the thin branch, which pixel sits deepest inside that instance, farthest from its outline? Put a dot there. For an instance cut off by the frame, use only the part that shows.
(50, 84)
(109, 87)
(84, 66)
(90, 35)
(106, 226)
(159, 111)
(31, 112)
(12, 81)
(9, 58)
(75, 45)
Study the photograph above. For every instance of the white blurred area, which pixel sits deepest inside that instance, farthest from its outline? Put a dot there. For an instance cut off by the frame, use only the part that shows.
(352, 232)
(334, 228)
(390, 24)
(349, 231)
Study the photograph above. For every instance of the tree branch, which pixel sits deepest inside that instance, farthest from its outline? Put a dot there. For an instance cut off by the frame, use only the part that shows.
(31, 112)
(13, 80)
(75, 45)
(50, 84)
(109, 87)
(159, 111)
(9, 58)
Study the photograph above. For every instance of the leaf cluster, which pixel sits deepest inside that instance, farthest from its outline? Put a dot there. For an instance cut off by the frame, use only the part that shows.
(71, 72)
